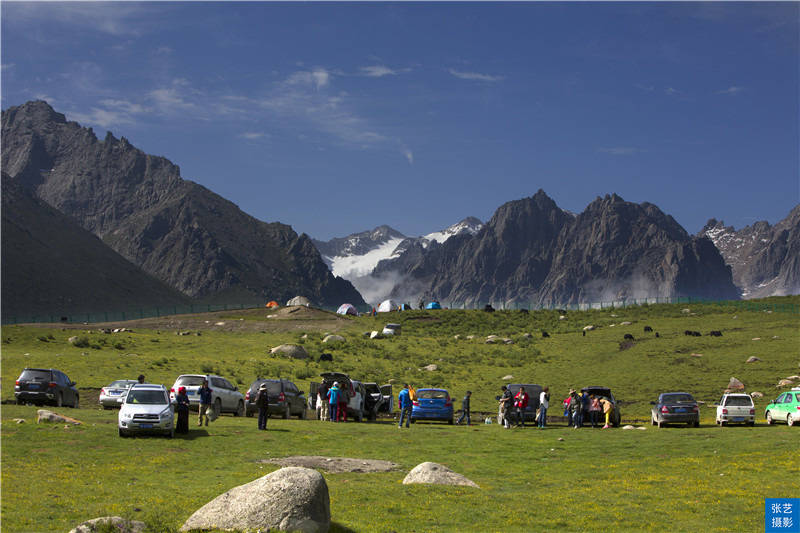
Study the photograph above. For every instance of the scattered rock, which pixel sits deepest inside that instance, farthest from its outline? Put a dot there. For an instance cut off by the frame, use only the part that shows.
(507, 377)
(375, 335)
(625, 323)
(294, 351)
(289, 499)
(43, 415)
(436, 474)
(785, 383)
(19, 420)
(107, 523)
(333, 339)
(456, 337)
(430, 368)
(752, 359)
(628, 427)
(219, 323)
(562, 317)
(335, 464)
(756, 338)
(756, 394)
(735, 384)
(588, 328)
(492, 337)
(508, 341)
(696, 355)
(642, 428)
(527, 335)
(794, 378)
(470, 337)
(561, 439)
(686, 311)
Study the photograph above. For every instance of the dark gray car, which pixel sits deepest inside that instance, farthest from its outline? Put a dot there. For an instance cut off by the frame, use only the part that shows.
(285, 399)
(675, 408)
(45, 386)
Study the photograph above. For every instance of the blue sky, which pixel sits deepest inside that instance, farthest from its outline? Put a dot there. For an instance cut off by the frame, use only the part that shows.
(338, 117)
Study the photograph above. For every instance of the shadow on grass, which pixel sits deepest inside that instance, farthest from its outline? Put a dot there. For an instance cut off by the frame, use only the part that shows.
(339, 528)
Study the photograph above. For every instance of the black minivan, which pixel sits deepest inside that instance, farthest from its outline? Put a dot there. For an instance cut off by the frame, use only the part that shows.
(45, 385)
(285, 398)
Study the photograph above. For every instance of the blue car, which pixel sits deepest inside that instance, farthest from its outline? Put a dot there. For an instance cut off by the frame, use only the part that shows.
(432, 404)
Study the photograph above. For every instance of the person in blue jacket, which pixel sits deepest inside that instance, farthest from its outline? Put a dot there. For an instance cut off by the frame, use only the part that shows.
(404, 399)
(205, 402)
(333, 400)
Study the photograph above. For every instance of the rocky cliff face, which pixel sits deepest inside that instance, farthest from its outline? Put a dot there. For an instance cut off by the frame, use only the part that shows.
(174, 229)
(52, 266)
(765, 259)
(533, 252)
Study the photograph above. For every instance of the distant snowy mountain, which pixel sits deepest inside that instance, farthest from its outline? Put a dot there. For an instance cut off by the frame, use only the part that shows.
(356, 256)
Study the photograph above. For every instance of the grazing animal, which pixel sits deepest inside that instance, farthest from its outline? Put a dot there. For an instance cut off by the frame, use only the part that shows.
(715, 333)
(687, 333)
(648, 329)
(628, 337)
(657, 335)
(584, 333)
(545, 334)
(488, 308)
(326, 357)
(697, 334)
(562, 311)
(523, 311)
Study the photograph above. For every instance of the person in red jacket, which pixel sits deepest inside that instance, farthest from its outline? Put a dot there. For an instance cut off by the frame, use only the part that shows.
(520, 403)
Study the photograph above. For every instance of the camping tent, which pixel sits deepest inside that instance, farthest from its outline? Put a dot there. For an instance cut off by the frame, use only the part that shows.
(347, 309)
(387, 305)
(433, 305)
(272, 304)
(298, 300)
(405, 307)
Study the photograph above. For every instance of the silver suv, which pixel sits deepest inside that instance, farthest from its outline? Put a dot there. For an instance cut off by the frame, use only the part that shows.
(146, 409)
(225, 397)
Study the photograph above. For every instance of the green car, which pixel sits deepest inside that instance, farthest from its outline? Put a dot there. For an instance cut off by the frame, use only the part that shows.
(785, 407)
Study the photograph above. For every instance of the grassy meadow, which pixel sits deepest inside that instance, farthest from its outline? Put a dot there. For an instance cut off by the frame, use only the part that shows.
(676, 479)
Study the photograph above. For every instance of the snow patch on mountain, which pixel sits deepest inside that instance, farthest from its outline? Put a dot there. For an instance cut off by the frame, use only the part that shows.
(469, 225)
(354, 266)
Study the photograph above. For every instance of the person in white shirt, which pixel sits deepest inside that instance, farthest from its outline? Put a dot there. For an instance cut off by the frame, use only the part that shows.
(544, 403)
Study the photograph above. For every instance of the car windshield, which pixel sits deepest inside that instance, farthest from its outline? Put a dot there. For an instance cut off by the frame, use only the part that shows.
(744, 401)
(372, 388)
(146, 397)
(121, 384)
(677, 398)
(35, 375)
(189, 381)
(432, 394)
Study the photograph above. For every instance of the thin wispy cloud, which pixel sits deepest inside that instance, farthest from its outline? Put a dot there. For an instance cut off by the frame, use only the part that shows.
(671, 91)
(318, 77)
(477, 76)
(620, 150)
(377, 71)
(252, 135)
(7, 66)
(732, 90)
(116, 18)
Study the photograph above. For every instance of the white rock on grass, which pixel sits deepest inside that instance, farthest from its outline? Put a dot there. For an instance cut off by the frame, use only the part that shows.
(289, 499)
(43, 415)
(785, 383)
(756, 394)
(588, 328)
(752, 359)
(109, 523)
(430, 368)
(375, 335)
(294, 351)
(436, 474)
(506, 378)
(333, 339)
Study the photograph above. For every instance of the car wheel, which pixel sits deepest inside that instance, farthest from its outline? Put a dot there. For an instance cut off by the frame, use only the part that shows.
(239, 409)
(171, 433)
(249, 414)
(450, 422)
(360, 416)
(59, 400)
(751, 423)
(789, 420)
(697, 423)
(122, 433)
(661, 424)
(769, 418)
(218, 407)
(77, 402)
(721, 423)
(303, 414)
(286, 413)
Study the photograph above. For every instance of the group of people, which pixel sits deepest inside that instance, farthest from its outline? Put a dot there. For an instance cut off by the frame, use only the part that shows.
(204, 410)
(576, 404)
(513, 406)
(333, 401)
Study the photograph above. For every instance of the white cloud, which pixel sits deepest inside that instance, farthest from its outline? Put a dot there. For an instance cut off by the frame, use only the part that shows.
(620, 150)
(377, 71)
(114, 18)
(645, 88)
(671, 91)
(409, 155)
(7, 66)
(318, 77)
(125, 106)
(474, 76)
(732, 90)
(105, 118)
(252, 135)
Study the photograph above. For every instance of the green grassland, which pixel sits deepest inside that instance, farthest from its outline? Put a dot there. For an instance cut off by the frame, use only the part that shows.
(675, 479)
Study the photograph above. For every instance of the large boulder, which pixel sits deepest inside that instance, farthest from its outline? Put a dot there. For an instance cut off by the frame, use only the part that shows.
(108, 523)
(299, 300)
(752, 359)
(333, 339)
(436, 474)
(295, 351)
(735, 385)
(289, 499)
(43, 415)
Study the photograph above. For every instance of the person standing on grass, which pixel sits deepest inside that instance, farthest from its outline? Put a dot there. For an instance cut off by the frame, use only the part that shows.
(344, 399)
(205, 402)
(406, 405)
(506, 402)
(182, 407)
(575, 408)
(544, 403)
(322, 400)
(262, 402)
(333, 400)
(594, 409)
(607, 409)
(521, 402)
(465, 409)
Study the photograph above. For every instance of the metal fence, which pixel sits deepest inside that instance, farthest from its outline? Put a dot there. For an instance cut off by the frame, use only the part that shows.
(133, 314)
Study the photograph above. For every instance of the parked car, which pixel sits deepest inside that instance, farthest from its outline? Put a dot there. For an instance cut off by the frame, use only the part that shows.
(736, 408)
(112, 395)
(432, 404)
(377, 400)
(675, 408)
(356, 392)
(391, 329)
(45, 386)
(603, 392)
(285, 398)
(225, 397)
(785, 407)
(147, 409)
(533, 398)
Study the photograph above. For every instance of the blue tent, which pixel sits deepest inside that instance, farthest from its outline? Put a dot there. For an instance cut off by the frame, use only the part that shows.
(405, 307)
(433, 305)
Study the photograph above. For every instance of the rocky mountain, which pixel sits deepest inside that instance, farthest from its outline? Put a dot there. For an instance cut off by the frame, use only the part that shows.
(765, 259)
(174, 229)
(52, 266)
(533, 253)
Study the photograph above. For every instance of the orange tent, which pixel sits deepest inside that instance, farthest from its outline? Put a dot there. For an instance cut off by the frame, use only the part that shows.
(272, 303)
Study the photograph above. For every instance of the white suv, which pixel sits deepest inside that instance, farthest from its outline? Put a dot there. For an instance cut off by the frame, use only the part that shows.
(736, 408)
(147, 409)
(225, 397)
